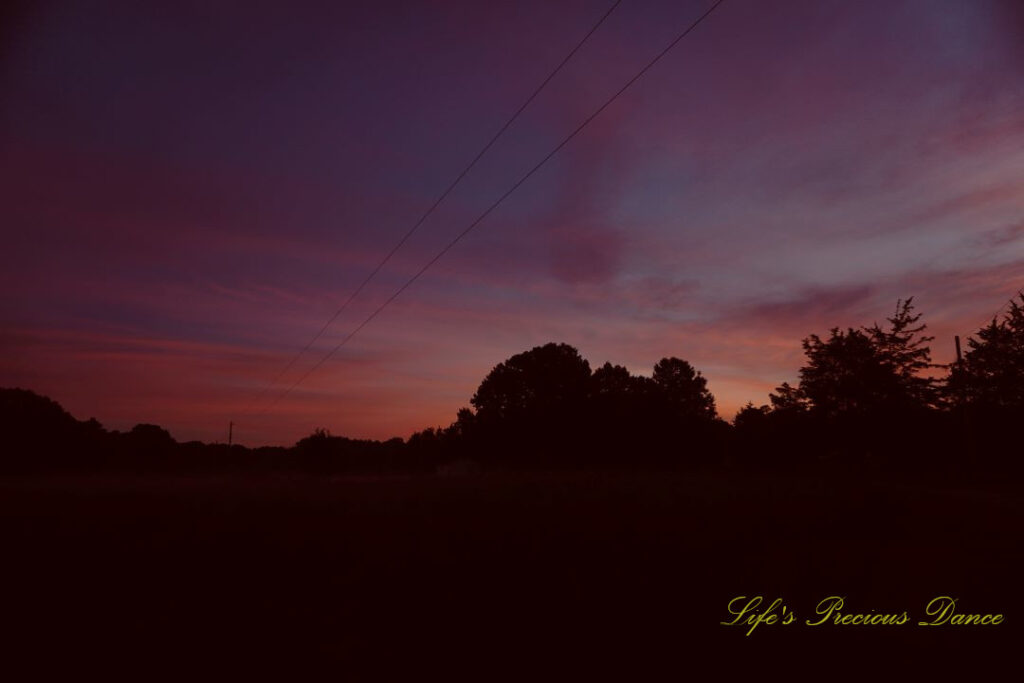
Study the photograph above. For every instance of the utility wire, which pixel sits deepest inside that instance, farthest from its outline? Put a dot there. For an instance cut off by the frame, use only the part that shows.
(1012, 299)
(436, 203)
(495, 205)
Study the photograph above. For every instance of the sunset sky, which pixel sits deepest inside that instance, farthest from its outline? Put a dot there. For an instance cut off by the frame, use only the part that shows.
(189, 190)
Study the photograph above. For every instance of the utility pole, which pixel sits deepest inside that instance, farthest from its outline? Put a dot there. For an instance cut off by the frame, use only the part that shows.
(960, 376)
(966, 430)
(231, 425)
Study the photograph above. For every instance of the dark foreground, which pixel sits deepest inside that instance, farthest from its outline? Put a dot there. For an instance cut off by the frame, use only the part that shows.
(555, 576)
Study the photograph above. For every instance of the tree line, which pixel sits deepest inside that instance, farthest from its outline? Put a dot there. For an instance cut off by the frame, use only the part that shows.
(865, 397)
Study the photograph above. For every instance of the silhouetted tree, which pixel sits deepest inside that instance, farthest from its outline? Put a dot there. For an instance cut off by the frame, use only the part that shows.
(861, 372)
(616, 394)
(787, 398)
(532, 406)
(751, 416)
(755, 438)
(846, 374)
(904, 348)
(553, 377)
(681, 420)
(992, 376)
(862, 390)
(38, 434)
(987, 392)
(621, 412)
(612, 381)
(684, 389)
(26, 413)
(151, 437)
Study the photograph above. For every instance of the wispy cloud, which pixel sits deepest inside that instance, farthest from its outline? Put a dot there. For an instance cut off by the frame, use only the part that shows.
(169, 246)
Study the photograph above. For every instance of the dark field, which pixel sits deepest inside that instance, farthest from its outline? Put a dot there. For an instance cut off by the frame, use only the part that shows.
(559, 575)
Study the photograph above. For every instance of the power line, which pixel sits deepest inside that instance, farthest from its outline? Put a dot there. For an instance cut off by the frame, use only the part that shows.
(436, 203)
(995, 316)
(1012, 299)
(1020, 293)
(495, 205)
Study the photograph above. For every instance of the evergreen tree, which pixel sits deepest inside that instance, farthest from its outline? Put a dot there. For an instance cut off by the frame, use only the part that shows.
(787, 398)
(846, 374)
(992, 375)
(905, 350)
(684, 389)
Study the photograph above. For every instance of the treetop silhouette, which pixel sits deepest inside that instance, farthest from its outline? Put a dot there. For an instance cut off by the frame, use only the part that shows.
(864, 371)
(991, 377)
(863, 391)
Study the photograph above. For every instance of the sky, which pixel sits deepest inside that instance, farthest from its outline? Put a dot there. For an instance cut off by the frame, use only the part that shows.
(190, 190)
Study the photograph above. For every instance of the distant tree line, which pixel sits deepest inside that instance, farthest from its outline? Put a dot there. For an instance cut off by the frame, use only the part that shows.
(867, 397)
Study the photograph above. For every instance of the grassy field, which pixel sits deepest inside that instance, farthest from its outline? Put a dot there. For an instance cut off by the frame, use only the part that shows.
(560, 574)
